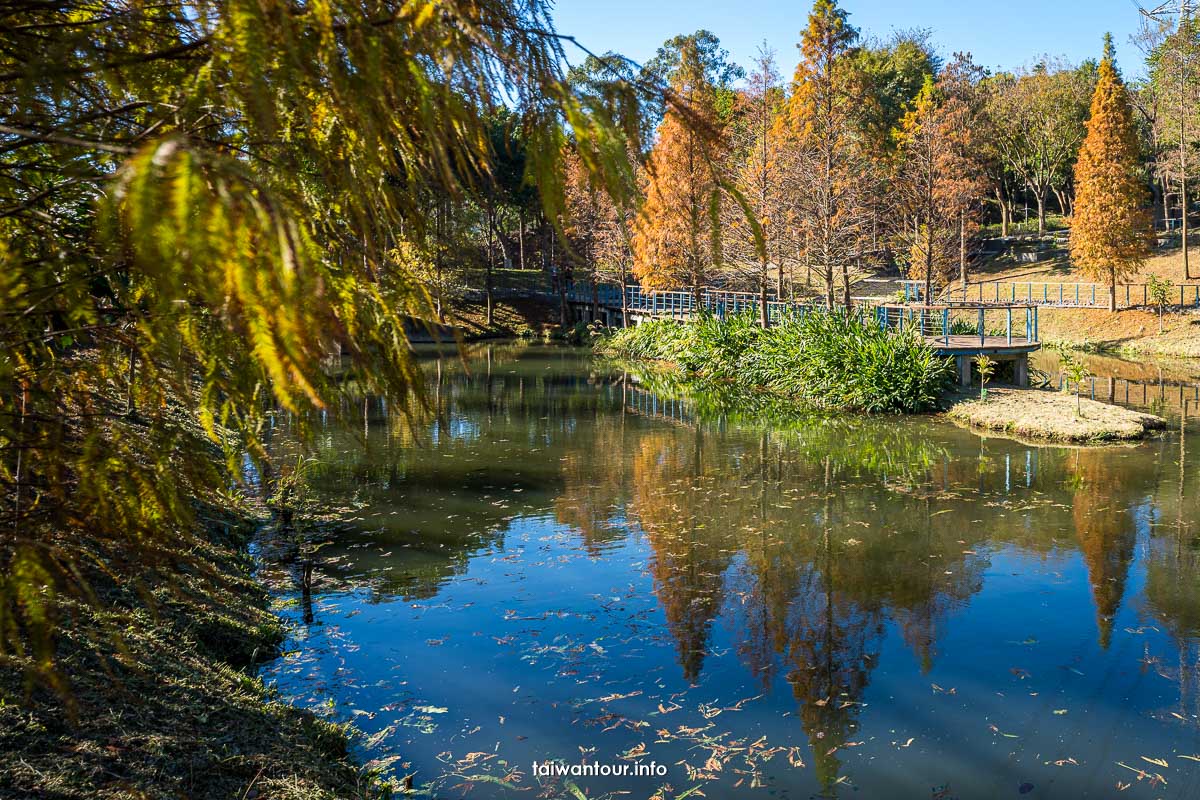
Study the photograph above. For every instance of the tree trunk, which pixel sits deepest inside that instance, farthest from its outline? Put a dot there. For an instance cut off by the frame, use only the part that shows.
(521, 235)
(1112, 292)
(1041, 211)
(1064, 204)
(561, 272)
(1166, 206)
(624, 300)
(962, 250)
(1183, 225)
(928, 263)
(490, 259)
(440, 264)
(764, 279)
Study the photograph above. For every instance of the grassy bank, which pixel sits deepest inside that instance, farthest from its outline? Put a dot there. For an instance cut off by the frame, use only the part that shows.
(1052, 416)
(162, 701)
(1131, 331)
(823, 360)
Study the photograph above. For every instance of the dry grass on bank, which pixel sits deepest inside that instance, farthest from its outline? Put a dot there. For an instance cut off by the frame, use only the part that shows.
(1057, 268)
(1130, 331)
(171, 709)
(517, 317)
(1051, 416)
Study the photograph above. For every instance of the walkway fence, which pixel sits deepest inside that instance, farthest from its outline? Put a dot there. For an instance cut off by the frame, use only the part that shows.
(954, 325)
(683, 304)
(1139, 394)
(1068, 295)
(950, 324)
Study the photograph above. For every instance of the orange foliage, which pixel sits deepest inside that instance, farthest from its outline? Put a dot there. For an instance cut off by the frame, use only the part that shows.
(675, 240)
(1110, 232)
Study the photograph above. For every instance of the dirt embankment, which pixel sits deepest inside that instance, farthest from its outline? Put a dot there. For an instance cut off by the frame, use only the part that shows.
(161, 699)
(1128, 331)
(1051, 416)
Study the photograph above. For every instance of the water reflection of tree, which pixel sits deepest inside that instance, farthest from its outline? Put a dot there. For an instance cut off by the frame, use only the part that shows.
(1101, 508)
(809, 599)
(1173, 580)
(833, 640)
(594, 479)
(676, 499)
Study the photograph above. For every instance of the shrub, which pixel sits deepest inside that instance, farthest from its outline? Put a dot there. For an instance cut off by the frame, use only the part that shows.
(828, 360)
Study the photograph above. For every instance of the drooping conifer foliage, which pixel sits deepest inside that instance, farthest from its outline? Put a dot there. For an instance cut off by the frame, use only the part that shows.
(199, 202)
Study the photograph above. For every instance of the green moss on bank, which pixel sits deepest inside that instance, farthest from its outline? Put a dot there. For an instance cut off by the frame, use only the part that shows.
(167, 708)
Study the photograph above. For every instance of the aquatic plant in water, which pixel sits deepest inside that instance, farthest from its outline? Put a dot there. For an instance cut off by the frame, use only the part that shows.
(827, 360)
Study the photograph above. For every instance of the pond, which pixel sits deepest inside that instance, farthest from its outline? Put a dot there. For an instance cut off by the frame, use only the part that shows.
(556, 564)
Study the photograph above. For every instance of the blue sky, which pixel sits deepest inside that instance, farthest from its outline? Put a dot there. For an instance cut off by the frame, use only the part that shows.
(1007, 34)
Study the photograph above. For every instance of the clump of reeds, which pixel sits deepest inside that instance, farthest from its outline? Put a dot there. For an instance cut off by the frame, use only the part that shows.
(830, 360)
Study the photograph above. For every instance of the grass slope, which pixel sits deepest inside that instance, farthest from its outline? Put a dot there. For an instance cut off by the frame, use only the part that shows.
(169, 708)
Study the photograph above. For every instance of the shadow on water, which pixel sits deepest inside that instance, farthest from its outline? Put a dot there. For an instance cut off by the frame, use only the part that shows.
(591, 562)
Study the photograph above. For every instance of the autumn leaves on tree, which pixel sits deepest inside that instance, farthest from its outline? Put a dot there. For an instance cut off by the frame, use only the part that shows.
(875, 155)
(1110, 232)
(940, 175)
(676, 237)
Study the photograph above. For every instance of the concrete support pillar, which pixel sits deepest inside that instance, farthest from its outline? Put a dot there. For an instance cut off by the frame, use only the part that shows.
(964, 370)
(1021, 370)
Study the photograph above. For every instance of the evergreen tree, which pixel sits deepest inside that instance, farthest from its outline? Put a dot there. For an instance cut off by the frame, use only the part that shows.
(1110, 232)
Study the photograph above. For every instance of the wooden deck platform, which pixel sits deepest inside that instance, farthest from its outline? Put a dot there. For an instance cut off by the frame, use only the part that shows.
(987, 345)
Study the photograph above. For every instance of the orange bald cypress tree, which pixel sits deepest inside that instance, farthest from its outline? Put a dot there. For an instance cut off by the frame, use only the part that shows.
(676, 235)
(1110, 231)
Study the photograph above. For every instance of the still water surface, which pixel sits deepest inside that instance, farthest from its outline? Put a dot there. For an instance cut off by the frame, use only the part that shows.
(554, 564)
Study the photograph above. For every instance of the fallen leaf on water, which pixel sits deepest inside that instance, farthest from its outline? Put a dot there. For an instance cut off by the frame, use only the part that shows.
(994, 729)
(637, 751)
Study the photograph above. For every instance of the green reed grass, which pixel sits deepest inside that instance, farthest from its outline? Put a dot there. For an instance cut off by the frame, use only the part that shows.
(838, 360)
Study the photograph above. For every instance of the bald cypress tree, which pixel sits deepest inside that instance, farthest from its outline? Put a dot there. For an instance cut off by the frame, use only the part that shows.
(1110, 231)
(676, 234)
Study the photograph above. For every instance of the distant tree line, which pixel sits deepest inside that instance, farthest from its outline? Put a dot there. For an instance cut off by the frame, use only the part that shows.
(878, 153)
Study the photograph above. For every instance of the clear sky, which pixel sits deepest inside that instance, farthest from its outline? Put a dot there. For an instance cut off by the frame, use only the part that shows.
(1006, 34)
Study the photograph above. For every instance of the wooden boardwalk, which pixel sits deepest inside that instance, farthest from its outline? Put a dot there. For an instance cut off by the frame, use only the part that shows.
(986, 345)
(965, 331)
